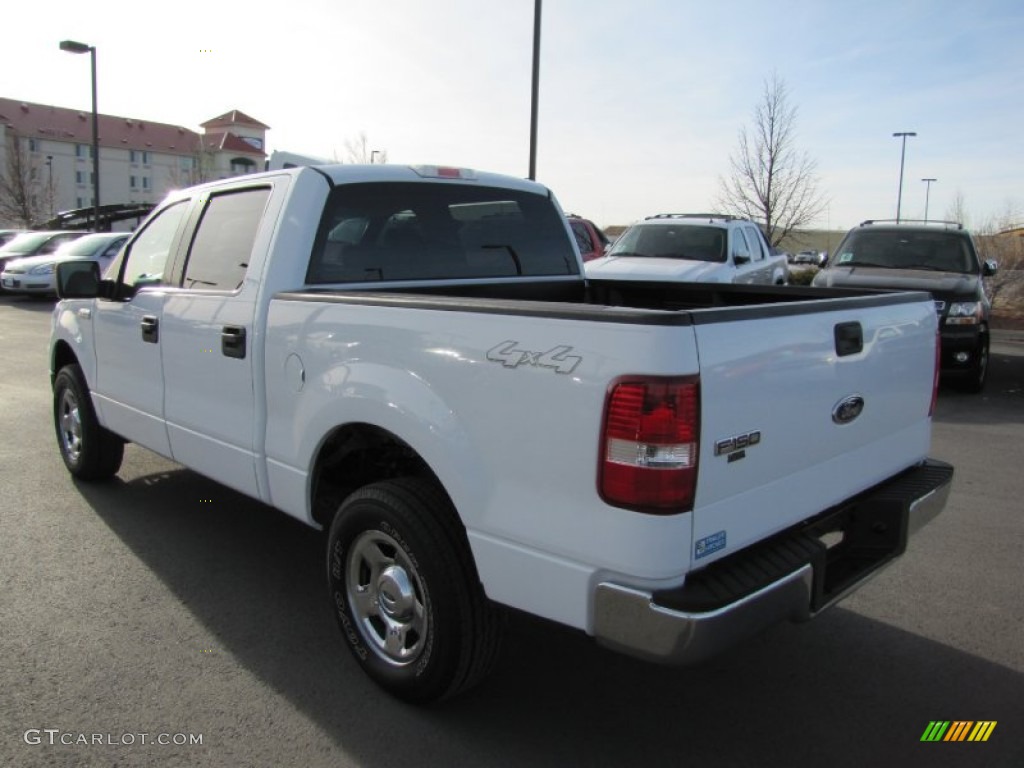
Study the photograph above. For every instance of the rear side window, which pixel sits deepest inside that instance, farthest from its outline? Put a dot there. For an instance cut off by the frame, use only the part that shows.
(223, 240)
(424, 231)
(582, 236)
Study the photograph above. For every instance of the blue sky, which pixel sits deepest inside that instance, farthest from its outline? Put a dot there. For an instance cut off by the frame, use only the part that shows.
(640, 101)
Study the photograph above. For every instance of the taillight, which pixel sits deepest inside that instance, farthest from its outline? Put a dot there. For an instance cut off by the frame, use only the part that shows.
(649, 444)
(935, 377)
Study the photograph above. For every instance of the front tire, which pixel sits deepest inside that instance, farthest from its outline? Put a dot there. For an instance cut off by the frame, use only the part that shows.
(89, 451)
(406, 593)
(975, 380)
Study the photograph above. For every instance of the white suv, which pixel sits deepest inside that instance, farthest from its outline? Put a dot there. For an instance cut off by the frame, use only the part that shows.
(692, 247)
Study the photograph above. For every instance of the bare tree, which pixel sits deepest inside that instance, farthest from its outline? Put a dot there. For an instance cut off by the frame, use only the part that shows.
(357, 150)
(770, 180)
(1001, 239)
(957, 210)
(23, 197)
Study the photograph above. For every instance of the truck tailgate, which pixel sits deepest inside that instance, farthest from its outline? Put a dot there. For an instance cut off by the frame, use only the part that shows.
(839, 403)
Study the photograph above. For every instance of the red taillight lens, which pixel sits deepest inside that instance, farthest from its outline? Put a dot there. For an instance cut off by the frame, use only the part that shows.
(649, 444)
(935, 379)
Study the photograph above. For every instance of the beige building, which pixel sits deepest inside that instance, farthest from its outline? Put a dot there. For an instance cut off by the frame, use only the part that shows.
(140, 160)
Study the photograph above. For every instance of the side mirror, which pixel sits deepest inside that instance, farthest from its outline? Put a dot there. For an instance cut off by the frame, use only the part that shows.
(78, 279)
(739, 259)
(989, 268)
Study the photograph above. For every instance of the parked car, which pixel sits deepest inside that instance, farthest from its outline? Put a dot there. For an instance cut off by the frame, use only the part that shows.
(593, 243)
(34, 243)
(939, 257)
(6, 235)
(35, 274)
(692, 247)
(809, 258)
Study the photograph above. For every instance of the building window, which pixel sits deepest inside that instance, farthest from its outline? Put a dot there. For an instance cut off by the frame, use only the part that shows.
(134, 182)
(240, 165)
(132, 157)
(80, 150)
(80, 177)
(33, 145)
(78, 202)
(145, 182)
(145, 158)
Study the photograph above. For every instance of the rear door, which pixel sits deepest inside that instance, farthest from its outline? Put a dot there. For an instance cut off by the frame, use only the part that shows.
(805, 405)
(209, 341)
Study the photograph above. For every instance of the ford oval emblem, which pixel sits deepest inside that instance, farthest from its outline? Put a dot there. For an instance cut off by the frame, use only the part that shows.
(848, 409)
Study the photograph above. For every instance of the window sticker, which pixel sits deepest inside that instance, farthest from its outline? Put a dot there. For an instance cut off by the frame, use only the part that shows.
(845, 257)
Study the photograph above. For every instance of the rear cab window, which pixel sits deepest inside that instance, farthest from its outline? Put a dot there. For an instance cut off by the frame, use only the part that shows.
(373, 232)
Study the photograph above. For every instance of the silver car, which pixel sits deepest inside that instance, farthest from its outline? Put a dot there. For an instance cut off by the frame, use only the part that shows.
(36, 274)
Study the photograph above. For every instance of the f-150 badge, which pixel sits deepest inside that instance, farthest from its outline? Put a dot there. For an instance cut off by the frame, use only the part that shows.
(557, 358)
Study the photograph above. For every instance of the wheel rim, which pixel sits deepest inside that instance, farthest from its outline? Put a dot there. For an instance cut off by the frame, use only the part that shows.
(385, 595)
(70, 426)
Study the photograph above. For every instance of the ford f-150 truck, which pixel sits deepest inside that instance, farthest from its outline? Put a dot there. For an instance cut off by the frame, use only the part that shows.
(411, 359)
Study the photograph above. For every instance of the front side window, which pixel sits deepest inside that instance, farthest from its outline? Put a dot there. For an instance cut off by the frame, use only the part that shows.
(224, 239)
(754, 241)
(146, 260)
(740, 249)
(426, 231)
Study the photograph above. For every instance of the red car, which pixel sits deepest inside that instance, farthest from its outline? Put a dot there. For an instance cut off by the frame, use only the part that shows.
(591, 240)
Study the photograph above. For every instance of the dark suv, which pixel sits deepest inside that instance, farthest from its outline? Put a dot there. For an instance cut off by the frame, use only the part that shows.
(935, 256)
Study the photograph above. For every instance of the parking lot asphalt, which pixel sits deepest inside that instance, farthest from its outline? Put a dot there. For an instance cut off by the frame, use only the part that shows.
(162, 604)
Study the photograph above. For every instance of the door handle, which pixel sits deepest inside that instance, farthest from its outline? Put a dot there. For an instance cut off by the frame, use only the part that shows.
(150, 329)
(232, 341)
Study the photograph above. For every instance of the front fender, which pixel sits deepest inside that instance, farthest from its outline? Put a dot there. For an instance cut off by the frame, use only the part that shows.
(71, 335)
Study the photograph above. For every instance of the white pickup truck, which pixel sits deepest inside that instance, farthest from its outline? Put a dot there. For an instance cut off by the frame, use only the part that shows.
(411, 359)
(692, 247)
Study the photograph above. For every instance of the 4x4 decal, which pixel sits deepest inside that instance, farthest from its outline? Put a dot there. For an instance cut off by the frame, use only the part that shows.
(557, 358)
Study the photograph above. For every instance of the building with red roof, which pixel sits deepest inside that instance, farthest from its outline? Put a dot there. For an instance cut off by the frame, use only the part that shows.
(140, 160)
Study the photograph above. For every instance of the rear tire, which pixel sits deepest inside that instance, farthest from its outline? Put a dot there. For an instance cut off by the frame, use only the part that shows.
(89, 451)
(406, 593)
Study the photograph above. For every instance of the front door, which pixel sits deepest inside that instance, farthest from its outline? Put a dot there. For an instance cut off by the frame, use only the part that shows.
(129, 389)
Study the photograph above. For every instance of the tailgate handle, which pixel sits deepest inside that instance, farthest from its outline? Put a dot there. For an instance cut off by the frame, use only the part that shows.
(849, 339)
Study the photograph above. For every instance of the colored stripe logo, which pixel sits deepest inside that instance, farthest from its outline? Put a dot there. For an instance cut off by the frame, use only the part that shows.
(958, 730)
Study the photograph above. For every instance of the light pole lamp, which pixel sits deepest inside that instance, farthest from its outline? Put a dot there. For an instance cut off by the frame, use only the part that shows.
(72, 47)
(903, 154)
(927, 194)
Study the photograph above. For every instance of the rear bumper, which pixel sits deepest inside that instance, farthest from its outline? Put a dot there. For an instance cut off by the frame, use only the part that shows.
(792, 576)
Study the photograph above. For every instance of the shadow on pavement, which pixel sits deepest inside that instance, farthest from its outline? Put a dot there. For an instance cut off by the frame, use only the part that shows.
(1000, 402)
(842, 691)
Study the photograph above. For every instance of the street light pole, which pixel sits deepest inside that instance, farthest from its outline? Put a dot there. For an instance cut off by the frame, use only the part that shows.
(49, 183)
(534, 90)
(927, 194)
(903, 154)
(73, 47)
